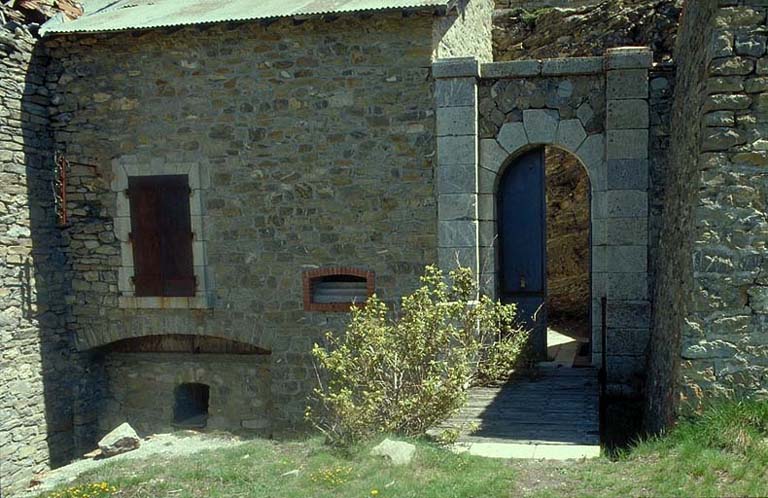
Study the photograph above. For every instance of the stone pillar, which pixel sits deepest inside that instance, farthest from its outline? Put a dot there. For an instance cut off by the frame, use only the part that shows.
(457, 157)
(620, 217)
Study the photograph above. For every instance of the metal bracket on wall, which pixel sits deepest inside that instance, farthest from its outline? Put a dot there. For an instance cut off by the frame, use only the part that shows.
(60, 187)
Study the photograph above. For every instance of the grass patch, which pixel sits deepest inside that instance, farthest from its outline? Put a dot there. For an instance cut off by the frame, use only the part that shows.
(723, 452)
(257, 468)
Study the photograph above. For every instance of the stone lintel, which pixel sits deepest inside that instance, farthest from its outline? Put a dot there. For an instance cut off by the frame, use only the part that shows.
(511, 69)
(492, 155)
(628, 58)
(456, 67)
(572, 66)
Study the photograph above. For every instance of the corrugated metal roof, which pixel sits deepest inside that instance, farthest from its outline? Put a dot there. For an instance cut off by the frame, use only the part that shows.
(120, 15)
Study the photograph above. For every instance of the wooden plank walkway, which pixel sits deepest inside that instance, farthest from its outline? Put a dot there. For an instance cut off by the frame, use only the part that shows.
(549, 406)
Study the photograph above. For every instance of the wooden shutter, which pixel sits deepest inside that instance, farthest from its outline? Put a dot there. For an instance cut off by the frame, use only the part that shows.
(161, 233)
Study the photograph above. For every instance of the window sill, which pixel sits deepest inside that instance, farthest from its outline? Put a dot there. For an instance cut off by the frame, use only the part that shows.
(196, 302)
(332, 307)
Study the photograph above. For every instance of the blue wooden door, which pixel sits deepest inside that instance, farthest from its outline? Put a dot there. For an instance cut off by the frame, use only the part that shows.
(522, 225)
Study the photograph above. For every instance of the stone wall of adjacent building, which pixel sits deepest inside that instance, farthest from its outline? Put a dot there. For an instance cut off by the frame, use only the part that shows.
(41, 377)
(712, 340)
(315, 142)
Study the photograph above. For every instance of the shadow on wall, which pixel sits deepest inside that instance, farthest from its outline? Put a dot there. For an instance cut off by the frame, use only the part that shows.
(70, 379)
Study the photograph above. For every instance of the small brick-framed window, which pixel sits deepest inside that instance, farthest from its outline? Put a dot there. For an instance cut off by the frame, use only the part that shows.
(337, 289)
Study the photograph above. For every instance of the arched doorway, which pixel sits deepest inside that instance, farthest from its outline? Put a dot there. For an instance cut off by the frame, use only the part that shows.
(543, 218)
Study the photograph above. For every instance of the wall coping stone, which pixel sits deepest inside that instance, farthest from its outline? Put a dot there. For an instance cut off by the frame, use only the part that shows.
(628, 58)
(614, 58)
(455, 67)
(511, 68)
(544, 67)
(573, 65)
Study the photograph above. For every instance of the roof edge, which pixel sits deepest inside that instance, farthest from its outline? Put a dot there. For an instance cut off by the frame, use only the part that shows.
(53, 26)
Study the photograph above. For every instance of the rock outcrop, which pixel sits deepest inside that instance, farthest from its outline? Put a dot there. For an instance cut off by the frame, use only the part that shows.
(586, 30)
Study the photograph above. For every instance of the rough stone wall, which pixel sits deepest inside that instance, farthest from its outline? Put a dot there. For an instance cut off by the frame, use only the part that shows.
(725, 337)
(40, 375)
(465, 33)
(714, 231)
(505, 100)
(589, 29)
(318, 140)
(239, 390)
(568, 250)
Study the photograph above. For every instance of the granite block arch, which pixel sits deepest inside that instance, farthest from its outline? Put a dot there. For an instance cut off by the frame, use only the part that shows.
(595, 108)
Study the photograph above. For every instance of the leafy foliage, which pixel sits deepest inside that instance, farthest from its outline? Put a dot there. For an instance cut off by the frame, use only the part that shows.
(405, 374)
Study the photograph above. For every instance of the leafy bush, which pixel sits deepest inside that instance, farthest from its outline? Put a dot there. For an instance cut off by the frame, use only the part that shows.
(405, 374)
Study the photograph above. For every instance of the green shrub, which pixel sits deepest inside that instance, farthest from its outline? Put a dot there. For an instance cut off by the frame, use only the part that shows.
(405, 374)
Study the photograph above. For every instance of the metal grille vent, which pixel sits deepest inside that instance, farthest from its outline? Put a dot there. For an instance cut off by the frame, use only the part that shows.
(339, 289)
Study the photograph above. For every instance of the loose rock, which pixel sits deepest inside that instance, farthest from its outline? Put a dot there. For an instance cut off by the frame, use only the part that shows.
(398, 452)
(120, 440)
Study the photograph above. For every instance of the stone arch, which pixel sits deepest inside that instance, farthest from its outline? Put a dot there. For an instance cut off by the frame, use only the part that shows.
(183, 343)
(593, 107)
(539, 128)
(90, 338)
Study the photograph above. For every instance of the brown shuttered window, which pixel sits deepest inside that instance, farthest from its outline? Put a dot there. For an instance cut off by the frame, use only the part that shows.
(161, 234)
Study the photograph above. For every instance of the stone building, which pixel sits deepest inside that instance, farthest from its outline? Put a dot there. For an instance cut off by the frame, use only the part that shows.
(190, 198)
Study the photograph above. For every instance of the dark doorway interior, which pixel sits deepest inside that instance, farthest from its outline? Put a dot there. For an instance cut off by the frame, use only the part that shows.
(568, 259)
(190, 408)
